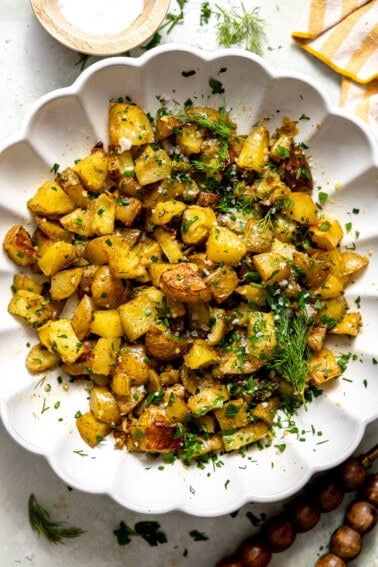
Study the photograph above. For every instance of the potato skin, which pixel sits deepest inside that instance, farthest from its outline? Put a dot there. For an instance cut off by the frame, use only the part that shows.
(185, 285)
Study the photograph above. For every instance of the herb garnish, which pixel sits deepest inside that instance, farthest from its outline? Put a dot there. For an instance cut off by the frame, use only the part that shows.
(235, 28)
(41, 523)
(150, 531)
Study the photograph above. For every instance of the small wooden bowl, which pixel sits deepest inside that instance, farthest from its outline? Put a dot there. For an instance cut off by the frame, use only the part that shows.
(50, 15)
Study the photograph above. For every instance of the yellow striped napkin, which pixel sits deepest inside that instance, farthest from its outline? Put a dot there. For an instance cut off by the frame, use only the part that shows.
(344, 34)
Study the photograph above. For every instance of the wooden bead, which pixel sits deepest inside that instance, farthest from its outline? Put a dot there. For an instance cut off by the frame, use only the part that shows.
(352, 474)
(345, 543)
(361, 516)
(229, 562)
(254, 552)
(330, 494)
(370, 490)
(280, 533)
(330, 560)
(304, 513)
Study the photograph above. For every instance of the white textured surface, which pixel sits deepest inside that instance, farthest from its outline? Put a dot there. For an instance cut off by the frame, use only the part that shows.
(31, 64)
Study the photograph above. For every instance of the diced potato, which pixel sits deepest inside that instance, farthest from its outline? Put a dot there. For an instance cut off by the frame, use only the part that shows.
(203, 446)
(154, 437)
(138, 315)
(209, 398)
(252, 293)
(108, 292)
(196, 224)
(82, 317)
(79, 221)
(351, 262)
(53, 229)
(152, 165)
(22, 281)
(225, 246)
(200, 355)
(169, 244)
(323, 367)
(331, 287)
(312, 270)
(91, 430)
(163, 345)
(65, 283)
(127, 209)
(166, 125)
(70, 182)
(164, 212)
(245, 435)
(326, 234)
(57, 257)
(33, 308)
(301, 208)
(316, 337)
(272, 267)
(106, 323)
(102, 214)
(270, 189)
(222, 283)
(349, 325)
(39, 359)
(104, 355)
(50, 200)
(284, 229)
(92, 170)
(232, 415)
(104, 406)
(332, 310)
(129, 126)
(218, 326)
(19, 246)
(59, 337)
(96, 249)
(132, 363)
(190, 139)
(266, 411)
(261, 335)
(120, 164)
(255, 150)
(184, 284)
(257, 237)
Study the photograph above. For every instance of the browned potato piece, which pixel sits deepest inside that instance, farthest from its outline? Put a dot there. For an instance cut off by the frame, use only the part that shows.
(129, 126)
(82, 317)
(184, 284)
(70, 182)
(50, 200)
(104, 405)
(19, 246)
(92, 170)
(245, 435)
(323, 367)
(222, 283)
(39, 359)
(108, 292)
(91, 430)
(162, 344)
(33, 308)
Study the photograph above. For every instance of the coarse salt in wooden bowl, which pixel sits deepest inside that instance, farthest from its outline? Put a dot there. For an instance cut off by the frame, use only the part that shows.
(95, 27)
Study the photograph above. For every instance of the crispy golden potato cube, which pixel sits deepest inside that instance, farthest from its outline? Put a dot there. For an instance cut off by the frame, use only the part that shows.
(138, 315)
(166, 125)
(59, 337)
(53, 229)
(57, 257)
(301, 208)
(206, 422)
(120, 164)
(19, 246)
(312, 270)
(33, 308)
(284, 229)
(190, 139)
(196, 224)
(217, 326)
(175, 405)
(42, 242)
(351, 262)
(255, 150)
(326, 234)
(39, 359)
(269, 188)
(184, 284)
(266, 411)
(169, 244)
(78, 221)
(323, 367)
(93, 169)
(224, 246)
(106, 323)
(198, 317)
(156, 269)
(262, 338)
(108, 292)
(232, 415)
(96, 249)
(286, 249)
(349, 325)
(127, 209)
(125, 263)
(245, 435)
(252, 293)
(50, 200)
(65, 283)
(316, 337)
(271, 267)
(132, 362)
(164, 345)
(203, 446)
(104, 355)
(164, 212)
(102, 214)
(149, 251)
(22, 281)
(331, 287)
(70, 182)
(121, 384)
(208, 399)
(91, 430)
(332, 258)
(82, 318)
(234, 364)
(152, 165)
(83, 365)
(156, 437)
(257, 236)
(222, 283)
(129, 126)
(200, 355)
(332, 310)
(104, 406)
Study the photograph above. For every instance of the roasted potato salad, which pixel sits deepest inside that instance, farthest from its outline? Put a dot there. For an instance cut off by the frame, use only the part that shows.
(205, 281)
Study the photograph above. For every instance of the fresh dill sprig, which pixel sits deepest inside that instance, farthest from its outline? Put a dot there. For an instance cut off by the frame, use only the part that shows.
(214, 166)
(292, 355)
(222, 126)
(41, 523)
(241, 28)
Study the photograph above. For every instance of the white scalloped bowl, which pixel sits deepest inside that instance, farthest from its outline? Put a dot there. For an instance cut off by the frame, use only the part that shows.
(63, 126)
